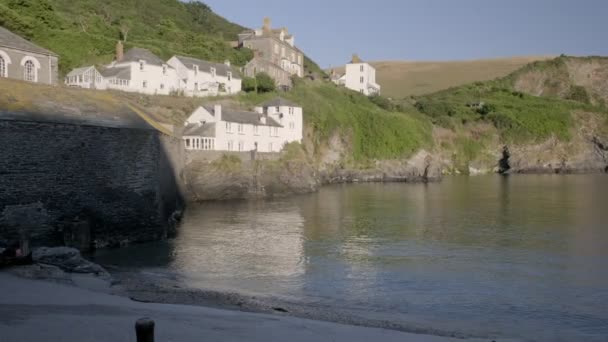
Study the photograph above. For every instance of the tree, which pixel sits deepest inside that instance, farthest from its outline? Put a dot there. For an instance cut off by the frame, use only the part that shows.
(265, 83)
(249, 84)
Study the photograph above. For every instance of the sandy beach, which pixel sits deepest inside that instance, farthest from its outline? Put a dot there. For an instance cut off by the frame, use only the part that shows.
(39, 310)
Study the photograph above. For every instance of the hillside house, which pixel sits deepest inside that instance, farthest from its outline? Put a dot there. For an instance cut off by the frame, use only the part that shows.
(23, 60)
(214, 128)
(275, 53)
(140, 71)
(203, 78)
(359, 76)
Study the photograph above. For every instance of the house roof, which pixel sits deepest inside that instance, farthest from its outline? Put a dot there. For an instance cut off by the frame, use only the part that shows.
(279, 102)
(137, 54)
(11, 40)
(200, 130)
(79, 71)
(205, 66)
(123, 73)
(244, 117)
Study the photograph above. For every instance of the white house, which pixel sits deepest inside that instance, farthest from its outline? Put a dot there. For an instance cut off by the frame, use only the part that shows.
(203, 78)
(139, 70)
(221, 129)
(359, 76)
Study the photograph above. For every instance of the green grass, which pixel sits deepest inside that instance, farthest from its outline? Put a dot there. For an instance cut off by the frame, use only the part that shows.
(519, 118)
(375, 133)
(85, 31)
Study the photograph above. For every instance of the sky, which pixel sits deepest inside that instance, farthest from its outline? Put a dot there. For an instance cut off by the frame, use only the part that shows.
(330, 31)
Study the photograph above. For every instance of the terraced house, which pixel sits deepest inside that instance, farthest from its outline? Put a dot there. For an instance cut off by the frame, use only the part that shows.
(275, 53)
(139, 70)
(23, 60)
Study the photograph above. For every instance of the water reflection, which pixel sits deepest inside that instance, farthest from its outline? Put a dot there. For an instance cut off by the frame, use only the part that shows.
(520, 255)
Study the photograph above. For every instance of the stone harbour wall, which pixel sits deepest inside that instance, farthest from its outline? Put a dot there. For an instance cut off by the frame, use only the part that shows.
(87, 186)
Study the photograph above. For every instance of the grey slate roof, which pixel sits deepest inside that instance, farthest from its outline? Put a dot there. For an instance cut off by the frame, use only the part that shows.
(279, 102)
(205, 130)
(11, 40)
(243, 117)
(123, 73)
(205, 66)
(136, 54)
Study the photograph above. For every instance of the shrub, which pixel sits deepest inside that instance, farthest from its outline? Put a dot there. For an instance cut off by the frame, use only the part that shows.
(249, 84)
(265, 83)
(579, 94)
(382, 102)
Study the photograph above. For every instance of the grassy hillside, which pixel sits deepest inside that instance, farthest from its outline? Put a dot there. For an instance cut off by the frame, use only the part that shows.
(86, 31)
(373, 132)
(537, 102)
(401, 79)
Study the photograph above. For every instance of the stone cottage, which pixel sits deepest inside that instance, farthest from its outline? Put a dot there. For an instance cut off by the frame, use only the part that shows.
(275, 53)
(23, 60)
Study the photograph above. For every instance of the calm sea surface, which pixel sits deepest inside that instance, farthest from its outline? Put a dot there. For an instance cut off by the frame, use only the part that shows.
(522, 256)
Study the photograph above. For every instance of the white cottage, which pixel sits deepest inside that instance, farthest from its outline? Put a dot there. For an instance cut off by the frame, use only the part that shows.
(203, 78)
(359, 76)
(220, 129)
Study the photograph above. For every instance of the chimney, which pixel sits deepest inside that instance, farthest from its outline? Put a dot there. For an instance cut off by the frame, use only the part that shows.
(119, 51)
(267, 25)
(227, 62)
(356, 59)
(217, 111)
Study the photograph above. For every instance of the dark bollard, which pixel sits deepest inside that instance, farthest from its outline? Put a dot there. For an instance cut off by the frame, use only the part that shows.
(144, 328)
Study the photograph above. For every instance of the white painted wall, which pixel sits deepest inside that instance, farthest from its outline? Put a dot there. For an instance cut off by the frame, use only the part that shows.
(203, 83)
(153, 79)
(361, 77)
(232, 136)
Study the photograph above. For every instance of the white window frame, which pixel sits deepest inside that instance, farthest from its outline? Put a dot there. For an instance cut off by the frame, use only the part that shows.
(256, 130)
(213, 72)
(144, 84)
(241, 145)
(142, 65)
(196, 69)
(240, 129)
(362, 68)
(228, 127)
(164, 69)
(229, 76)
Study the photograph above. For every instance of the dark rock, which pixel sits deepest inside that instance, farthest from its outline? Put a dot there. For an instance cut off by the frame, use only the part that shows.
(68, 259)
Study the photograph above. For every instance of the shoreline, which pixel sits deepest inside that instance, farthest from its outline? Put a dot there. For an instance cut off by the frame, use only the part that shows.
(42, 309)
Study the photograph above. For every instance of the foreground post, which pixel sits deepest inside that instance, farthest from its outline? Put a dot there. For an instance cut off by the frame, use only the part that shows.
(144, 328)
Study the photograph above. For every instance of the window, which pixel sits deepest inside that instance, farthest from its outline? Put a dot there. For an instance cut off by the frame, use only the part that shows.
(2, 67)
(141, 65)
(290, 110)
(196, 86)
(292, 126)
(145, 84)
(188, 143)
(277, 109)
(276, 131)
(29, 71)
(240, 129)
(164, 69)
(255, 130)
(228, 127)
(230, 145)
(241, 146)
(162, 86)
(229, 76)
(361, 68)
(362, 79)
(212, 72)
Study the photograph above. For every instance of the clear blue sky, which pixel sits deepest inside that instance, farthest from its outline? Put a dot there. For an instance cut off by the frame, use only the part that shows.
(329, 31)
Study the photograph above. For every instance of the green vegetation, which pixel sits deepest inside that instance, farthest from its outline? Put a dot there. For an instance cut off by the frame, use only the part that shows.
(261, 83)
(374, 133)
(519, 118)
(85, 31)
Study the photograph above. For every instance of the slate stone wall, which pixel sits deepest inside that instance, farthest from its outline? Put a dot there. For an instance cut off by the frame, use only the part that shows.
(121, 183)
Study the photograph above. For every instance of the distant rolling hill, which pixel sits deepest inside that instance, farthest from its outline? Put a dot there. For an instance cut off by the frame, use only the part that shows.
(404, 78)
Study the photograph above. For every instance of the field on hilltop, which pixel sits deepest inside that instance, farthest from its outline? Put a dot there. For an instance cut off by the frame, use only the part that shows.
(401, 79)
